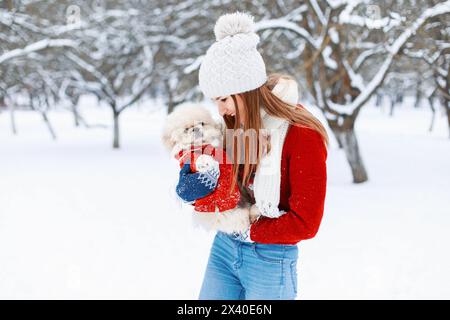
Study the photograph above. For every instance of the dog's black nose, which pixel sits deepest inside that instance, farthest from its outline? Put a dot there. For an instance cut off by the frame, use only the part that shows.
(198, 132)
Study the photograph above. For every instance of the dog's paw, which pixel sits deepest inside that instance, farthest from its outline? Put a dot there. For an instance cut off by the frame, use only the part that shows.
(206, 163)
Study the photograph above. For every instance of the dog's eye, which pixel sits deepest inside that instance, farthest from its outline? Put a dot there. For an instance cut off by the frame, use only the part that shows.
(202, 124)
(186, 129)
(223, 99)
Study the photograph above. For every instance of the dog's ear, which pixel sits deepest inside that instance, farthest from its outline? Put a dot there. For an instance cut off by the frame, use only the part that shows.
(167, 141)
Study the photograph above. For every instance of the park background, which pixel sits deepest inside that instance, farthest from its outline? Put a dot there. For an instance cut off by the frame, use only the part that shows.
(87, 202)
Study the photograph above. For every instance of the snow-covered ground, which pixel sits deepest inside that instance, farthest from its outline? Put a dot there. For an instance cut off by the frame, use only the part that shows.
(81, 220)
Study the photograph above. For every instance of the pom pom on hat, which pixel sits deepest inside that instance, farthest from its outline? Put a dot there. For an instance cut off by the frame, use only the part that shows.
(233, 23)
(232, 64)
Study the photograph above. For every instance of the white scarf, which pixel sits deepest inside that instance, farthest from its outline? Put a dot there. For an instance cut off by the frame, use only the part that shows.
(267, 181)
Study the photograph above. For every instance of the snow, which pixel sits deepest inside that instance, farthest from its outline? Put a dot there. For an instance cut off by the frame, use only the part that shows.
(194, 66)
(334, 4)
(385, 23)
(81, 220)
(334, 35)
(37, 46)
(357, 80)
(285, 24)
(318, 11)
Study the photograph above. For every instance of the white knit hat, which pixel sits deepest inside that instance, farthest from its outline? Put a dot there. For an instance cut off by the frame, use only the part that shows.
(232, 64)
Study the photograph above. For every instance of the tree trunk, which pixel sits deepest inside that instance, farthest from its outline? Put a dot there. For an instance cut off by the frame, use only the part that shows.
(346, 134)
(37, 100)
(170, 102)
(447, 100)
(170, 106)
(353, 155)
(116, 142)
(338, 137)
(13, 118)
(49, 125)
(7, 4)
(447, 108)
(399, 98)
(76, 115)
(418, 96)
(379, 100)
(433, 113)
(391, 112)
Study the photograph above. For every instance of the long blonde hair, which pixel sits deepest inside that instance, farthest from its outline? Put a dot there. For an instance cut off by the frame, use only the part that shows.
(253, 100)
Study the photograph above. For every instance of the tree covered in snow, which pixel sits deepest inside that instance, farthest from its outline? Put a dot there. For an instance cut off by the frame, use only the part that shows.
(408, 79)
(115, 56)
(28, 47)
(347, 49)
(111, 55)
(432, 47)
(341, 51)
(181, 38)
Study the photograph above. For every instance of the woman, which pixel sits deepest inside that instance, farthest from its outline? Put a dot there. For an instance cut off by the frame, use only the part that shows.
(284, 180)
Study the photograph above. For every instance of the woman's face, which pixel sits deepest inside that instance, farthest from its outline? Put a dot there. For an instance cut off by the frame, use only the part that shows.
(226, 106)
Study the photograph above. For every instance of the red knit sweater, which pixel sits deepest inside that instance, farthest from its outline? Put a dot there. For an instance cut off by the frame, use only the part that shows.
(302, 191)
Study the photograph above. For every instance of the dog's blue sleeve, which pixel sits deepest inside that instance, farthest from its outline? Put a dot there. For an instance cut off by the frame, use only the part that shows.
(195, 185)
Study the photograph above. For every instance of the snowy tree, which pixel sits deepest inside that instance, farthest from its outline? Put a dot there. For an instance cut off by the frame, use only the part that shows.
(342, 42)
(111, 51)
(432, 46)
(115, 58)
(183, 41)
(26, 50)
(179, 46)
(342, 52)
(408, 79)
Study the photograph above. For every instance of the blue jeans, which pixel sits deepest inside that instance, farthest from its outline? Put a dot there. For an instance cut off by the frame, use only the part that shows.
(238, 270)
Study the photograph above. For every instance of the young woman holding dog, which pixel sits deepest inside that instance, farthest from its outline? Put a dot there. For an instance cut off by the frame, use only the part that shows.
(289, 197)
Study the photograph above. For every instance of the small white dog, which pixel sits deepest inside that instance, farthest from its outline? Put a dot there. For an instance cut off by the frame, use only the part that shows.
(187, 133)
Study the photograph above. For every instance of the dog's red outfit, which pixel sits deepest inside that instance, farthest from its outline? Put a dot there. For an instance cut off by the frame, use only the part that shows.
(220, 198)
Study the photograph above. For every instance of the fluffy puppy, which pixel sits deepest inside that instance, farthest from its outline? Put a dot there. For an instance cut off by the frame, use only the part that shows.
(193, 136)
(188, 126)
